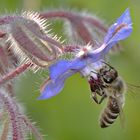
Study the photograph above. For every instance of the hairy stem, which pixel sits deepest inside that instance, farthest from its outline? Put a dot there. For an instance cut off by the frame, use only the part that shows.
(70, 48)
(68, 15)
(12, 110)
(78, 24)
(33, 129)
(82, 31)
(14, 73)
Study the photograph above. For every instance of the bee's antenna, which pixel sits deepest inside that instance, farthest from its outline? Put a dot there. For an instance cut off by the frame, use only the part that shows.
(107, 64)
(98, 74)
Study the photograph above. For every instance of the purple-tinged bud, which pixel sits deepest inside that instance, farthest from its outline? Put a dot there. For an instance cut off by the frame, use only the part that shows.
(31, 40)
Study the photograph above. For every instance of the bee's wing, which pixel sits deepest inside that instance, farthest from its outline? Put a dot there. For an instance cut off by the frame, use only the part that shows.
(122, 117)
(121, 101)
(133, 91)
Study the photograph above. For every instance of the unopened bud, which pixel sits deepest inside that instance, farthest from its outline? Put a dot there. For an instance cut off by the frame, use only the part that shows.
(31, 41)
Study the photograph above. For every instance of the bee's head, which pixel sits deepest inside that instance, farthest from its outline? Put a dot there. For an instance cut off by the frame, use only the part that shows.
(108, 74)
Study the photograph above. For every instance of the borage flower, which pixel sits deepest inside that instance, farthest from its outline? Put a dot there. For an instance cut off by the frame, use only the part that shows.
(86, 60)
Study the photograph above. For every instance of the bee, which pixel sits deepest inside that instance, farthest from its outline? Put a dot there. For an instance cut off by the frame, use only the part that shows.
(110, 85)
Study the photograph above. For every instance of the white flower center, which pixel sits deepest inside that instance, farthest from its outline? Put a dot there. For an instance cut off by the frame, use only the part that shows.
(84, 51)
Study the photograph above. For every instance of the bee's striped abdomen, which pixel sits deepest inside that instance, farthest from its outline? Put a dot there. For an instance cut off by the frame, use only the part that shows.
(110, 113)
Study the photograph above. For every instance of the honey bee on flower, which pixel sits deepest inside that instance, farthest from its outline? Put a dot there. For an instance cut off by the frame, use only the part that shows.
(103, 79)
(87, 59)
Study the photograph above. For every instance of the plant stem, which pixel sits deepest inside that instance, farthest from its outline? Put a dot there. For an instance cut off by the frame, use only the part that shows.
(14, 73)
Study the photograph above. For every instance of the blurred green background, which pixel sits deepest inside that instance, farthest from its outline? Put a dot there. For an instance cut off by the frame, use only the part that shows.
(72, 115)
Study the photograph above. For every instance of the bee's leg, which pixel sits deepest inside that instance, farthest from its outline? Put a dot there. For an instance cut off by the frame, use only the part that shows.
(102, 98)
(94, 97)
(100, 92)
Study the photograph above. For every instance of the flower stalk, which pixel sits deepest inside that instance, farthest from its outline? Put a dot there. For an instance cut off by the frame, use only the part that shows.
(11, 75)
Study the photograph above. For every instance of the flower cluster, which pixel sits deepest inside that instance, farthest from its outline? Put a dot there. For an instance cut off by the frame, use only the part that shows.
(26, 44)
